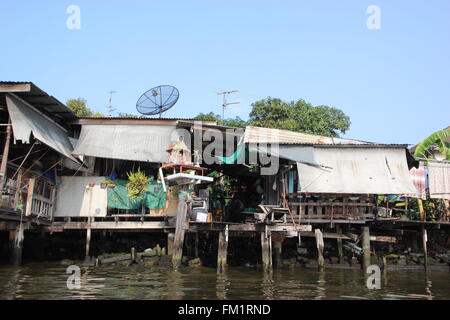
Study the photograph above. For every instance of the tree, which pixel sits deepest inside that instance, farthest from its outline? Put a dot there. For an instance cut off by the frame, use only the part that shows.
(230, 122)
(79, 108)
(439, 139)
(299, 116)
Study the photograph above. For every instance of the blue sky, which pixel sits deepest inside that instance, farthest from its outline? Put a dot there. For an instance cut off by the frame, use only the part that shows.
(392, 82)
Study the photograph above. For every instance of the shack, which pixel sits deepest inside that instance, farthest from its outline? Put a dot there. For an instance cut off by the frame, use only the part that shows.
(181, 179)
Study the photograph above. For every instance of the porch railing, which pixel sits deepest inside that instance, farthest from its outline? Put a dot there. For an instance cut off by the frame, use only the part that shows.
(35, 196)
(332, 208)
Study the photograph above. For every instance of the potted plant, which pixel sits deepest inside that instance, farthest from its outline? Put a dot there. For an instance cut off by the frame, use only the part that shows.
(137, 184)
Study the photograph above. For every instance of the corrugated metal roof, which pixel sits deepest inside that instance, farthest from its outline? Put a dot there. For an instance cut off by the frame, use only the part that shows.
(38, 98)
(269, 135)
(134, 118)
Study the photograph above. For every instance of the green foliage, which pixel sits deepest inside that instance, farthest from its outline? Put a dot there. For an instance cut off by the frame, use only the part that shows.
(230, 122)
(130, 115)
(299, 116)
(137, 185)
(79, 108)
(435, 139)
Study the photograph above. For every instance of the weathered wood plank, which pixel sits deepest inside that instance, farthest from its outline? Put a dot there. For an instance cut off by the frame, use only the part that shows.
(180, 230)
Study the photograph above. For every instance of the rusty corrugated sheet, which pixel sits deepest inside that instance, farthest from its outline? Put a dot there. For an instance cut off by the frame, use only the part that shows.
(268, 135)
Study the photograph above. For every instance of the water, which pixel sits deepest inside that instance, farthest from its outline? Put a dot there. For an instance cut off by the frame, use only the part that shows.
(48, 281)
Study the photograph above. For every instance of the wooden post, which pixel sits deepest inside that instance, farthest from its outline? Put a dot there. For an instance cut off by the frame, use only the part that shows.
(196, 245)
(366, 247)
(222, 251)
(170, 238)
(339, 244)
(88, 243)
(266, 248)
(133, 255)
(30, 196)
(277, 248)
(425, 250)
(5, 155)
(15, 251)
(320, 246)
(179, 234)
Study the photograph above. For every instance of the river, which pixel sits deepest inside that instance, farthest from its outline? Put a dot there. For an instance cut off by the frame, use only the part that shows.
(49, 281)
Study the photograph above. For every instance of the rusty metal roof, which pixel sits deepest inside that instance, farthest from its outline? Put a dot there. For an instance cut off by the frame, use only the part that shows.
(38, 98)
(269, 135)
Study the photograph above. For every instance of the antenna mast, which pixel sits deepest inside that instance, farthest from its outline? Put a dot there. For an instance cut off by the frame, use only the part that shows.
(110, 107)
(225, 103)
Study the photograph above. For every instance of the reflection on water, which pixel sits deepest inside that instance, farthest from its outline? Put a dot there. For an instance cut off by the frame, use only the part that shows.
(48, 281)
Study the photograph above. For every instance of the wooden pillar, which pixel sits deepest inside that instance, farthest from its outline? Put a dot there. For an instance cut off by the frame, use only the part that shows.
(5, 155)
(222, 251)
(277, 253)
(425, 250)
(196, 245)
(28, 207)
(88, 243)
(170, 238)
(178, 242)
(365, 235)
(339, 244)
(320, 246)
(15, 256)
(266, 250)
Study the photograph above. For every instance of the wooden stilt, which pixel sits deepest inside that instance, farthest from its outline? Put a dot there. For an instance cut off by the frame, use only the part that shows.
(366, 247)
(425, 249)
(170, 239)
(266, 248)
(277, 254)
(15, 251)
(320, 246)
(5, 154)
(196, 245)
(179, 234)
(222, 251)
(339, 244)
(88, 243)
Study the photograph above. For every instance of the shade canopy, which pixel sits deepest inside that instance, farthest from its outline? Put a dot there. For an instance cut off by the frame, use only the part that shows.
(26, 120)
(357, 171)
(126, 142)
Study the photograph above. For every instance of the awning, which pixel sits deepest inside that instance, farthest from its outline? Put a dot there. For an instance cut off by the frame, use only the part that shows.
(297, 153)
(127, 142)
(358, 171)
(26, 120)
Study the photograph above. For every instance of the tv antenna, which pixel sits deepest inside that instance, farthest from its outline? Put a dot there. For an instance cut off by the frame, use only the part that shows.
(157, 100)
(110, 107)
(225, 103)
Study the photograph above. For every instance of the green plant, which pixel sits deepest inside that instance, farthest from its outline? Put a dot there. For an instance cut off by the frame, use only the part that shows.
(436, 138)
(137, 185)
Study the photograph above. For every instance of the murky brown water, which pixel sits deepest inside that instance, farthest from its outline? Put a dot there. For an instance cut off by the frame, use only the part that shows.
(48, 281)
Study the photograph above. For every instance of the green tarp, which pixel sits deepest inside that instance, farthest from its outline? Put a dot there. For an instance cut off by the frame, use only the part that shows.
(237, 155)
(118, 198)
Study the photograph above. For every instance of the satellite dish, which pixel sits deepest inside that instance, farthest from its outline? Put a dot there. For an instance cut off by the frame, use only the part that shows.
(157, 100)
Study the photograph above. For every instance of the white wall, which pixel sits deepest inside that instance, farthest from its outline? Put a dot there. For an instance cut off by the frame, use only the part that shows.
(74, 197)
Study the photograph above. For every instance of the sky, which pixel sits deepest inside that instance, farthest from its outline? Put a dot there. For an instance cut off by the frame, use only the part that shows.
(393, 81)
